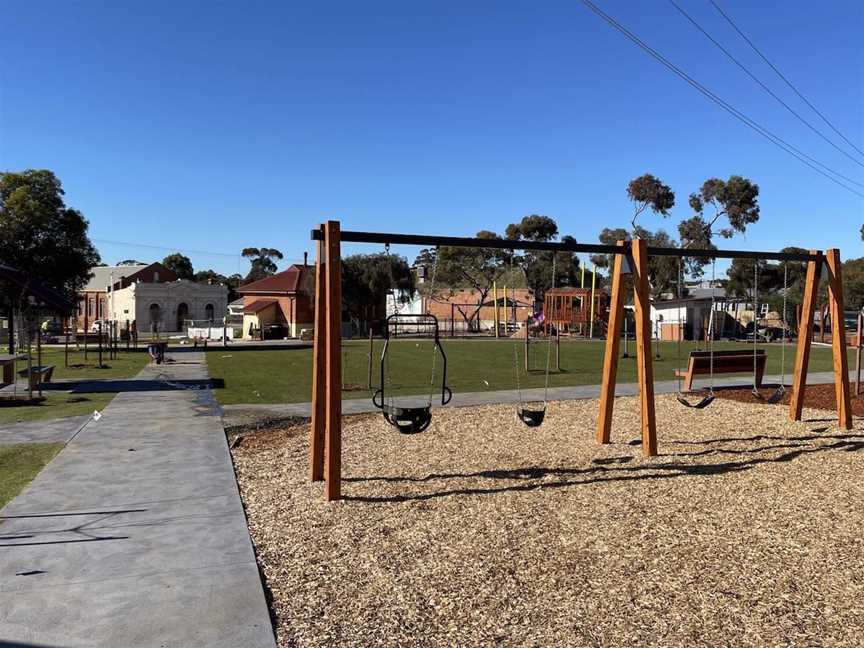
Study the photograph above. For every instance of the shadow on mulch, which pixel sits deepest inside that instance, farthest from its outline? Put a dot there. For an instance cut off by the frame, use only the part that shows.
(816, 397)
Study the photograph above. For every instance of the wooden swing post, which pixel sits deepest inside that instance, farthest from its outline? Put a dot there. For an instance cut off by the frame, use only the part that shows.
(838, 339)
(644, 361)
(333, 373)
(805, 335)
(319, 360)
(610, 360)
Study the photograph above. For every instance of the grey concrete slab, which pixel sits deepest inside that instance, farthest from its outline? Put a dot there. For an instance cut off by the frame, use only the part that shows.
(471, 399)
(53, 431)
(135, 534)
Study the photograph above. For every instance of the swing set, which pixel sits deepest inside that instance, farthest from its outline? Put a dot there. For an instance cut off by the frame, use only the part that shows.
(630, 262)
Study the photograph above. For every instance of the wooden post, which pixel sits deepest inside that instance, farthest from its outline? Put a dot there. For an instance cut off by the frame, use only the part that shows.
(593, 291)
(610, 360)
(369, 367)
(86, 314)
(644, 360)
(316, 431)
(65, 347)
(838, 338)
(495, 312)
(858, 355)
(823, 311)
(333, 371)
(558, 349)
(38, 360)
(805, 335)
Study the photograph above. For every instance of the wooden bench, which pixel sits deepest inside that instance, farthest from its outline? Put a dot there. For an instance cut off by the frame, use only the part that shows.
(732, 361)
(38, 374)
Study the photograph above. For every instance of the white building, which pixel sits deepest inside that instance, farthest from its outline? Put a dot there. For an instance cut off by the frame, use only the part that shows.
(169, 306)
(151, 296)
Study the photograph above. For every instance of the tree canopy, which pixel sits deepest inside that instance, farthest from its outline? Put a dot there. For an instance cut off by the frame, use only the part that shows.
(211, 276)
(537, 265)
(648, 191)
(662, 271)
(367, 278)
(736, 199)
(40, 235)
(180, 264)
(262, 260)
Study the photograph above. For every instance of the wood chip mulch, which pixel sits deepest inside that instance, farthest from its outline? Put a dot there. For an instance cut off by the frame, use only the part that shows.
(820, 397)
(747, 530)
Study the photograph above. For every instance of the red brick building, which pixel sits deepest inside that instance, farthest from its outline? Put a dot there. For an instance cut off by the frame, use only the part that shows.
(280, 305)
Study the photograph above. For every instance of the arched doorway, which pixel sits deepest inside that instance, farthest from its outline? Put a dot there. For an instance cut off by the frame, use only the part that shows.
(155, 317)
(182, 316)
(208, 313)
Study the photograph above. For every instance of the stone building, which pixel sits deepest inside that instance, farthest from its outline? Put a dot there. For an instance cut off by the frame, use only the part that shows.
(151, 296)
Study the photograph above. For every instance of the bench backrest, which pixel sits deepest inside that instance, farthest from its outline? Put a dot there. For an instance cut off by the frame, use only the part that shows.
(728, 361)
(727, 353)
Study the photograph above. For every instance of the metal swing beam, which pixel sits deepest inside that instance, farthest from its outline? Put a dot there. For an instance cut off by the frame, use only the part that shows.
(326, 430)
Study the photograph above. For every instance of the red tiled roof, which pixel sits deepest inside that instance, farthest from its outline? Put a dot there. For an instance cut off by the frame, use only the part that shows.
(258, 305)
(287, 281)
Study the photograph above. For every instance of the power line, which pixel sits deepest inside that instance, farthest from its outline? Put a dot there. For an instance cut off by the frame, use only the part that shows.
(782, 76)
(176, 249)
(165, 247)
(771, 137)
(762, 85)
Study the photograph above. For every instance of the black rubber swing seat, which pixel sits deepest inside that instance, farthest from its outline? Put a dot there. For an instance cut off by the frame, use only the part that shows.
(701, 404)
(531, 417)
(408, 420)
(774, 398)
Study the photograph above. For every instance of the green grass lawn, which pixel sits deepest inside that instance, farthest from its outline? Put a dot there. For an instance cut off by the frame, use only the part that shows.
(125, 365)
(20, 463)
(284, 375)
(58, 404)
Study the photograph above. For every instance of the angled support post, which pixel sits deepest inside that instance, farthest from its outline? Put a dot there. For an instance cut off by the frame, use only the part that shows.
(838, 339)
(610, 359)
(644, 360)
(333, 372)
(805, 335)
(319, 361)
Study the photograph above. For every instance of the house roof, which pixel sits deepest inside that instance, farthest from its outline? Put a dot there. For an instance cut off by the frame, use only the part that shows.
(259, 305)
(282, 283)
(101, 275)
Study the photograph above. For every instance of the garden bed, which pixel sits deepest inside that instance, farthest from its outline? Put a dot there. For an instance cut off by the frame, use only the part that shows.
(746, 530)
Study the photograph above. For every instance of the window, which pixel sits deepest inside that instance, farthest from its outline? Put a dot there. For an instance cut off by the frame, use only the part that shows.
(208, 312)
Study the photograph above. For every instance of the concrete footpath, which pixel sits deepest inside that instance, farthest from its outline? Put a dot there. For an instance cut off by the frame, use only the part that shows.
(134, 535)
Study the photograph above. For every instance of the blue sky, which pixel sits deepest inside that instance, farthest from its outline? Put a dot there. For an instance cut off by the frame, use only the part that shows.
(211, 126)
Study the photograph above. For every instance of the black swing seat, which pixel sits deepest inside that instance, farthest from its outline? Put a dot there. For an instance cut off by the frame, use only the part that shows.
(408, 420)
(774, 398)
(701, 404)
(531, 417)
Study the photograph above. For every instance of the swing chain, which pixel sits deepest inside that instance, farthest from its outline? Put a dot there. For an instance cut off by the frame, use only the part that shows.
(435, 342)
